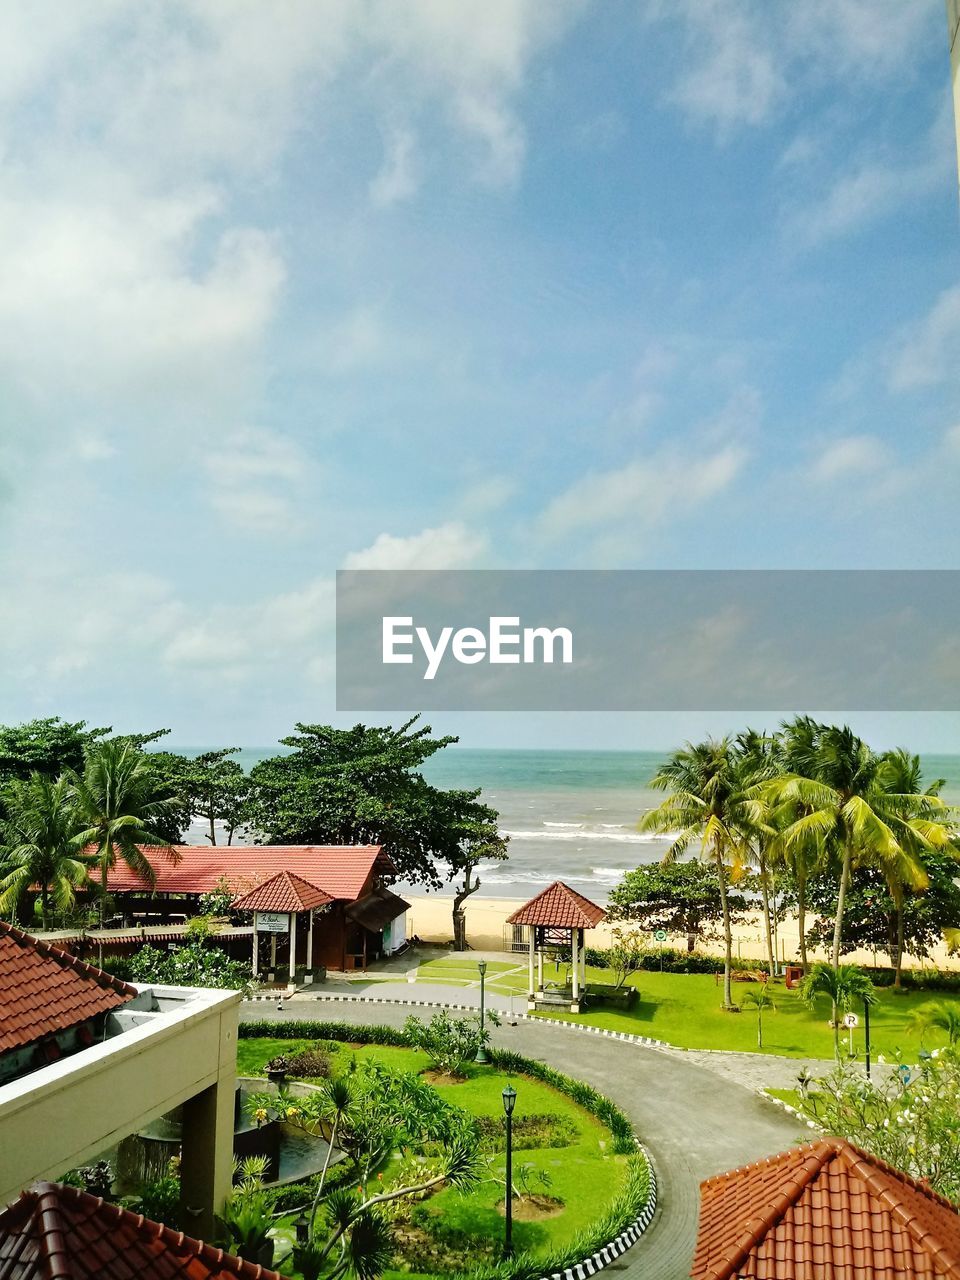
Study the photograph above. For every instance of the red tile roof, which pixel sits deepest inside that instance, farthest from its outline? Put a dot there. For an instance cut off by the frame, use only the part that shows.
(559, 907)
(44, 990)
(283, 892)
(61, 1233)
(825, 1211)
(342, 871)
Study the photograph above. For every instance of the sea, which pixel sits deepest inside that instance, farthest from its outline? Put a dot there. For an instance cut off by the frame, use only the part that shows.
(569, 815)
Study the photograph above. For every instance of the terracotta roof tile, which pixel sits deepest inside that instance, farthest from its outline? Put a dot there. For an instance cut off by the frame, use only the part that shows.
(283, 892)
(825, 1211)
(560, 907)
(61, 1233)
(342, 871)
(44, 990)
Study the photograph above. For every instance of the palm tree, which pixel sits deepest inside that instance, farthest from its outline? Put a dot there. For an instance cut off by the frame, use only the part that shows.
(842, 984)
(706, 804)
(844, 810)
(761, 997)
(758, 764)
(938, 1015)
(338, 1101)
(117, 802)
(41, 835)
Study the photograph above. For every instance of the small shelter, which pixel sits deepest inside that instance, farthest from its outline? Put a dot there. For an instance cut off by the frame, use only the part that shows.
(277, 905)
(824, 1211)
(557, 917)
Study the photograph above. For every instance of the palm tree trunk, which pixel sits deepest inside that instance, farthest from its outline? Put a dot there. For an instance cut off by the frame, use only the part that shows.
(104, 857)
(841, 902)
(768, 927)
(898, 967)
(727, 933)
(802, 920)
(43, 905)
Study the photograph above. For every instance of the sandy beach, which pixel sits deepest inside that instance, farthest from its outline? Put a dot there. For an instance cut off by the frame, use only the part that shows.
(487, 930)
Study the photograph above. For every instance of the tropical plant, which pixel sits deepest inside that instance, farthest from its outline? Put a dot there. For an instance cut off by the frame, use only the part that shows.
(246, 1219)
(846, 808)
(193, 965)
(41, 835)
(449, 1042)
(707, 805)
(938, 1015)
(117, 803)
(843, 985)
(757, 761)
(677, 897)
(762, 999)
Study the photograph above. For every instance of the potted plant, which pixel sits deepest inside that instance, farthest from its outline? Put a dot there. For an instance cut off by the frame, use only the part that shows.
(278, 1069)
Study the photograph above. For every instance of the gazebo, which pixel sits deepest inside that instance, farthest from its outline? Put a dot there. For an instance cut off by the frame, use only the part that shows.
(277, 904)
(557, 917)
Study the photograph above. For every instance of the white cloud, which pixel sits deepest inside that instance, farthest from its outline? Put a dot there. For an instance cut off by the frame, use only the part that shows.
(645, 492)
(449, 546)
(850, 455)
(255, 475)
(928, 353)
(397, 179)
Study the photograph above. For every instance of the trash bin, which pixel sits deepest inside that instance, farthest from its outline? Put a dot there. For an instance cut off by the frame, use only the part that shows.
(794, 976)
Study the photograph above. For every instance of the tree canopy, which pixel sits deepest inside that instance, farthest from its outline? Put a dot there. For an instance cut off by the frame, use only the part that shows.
(678, 897)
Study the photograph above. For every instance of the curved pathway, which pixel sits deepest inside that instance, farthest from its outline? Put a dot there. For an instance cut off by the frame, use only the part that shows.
(693, 1122)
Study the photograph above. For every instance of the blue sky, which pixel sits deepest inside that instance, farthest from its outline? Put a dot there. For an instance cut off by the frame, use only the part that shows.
(449, 284)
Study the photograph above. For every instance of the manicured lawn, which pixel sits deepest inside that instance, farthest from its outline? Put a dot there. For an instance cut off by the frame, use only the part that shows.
(684, 1009)
(586, 1175)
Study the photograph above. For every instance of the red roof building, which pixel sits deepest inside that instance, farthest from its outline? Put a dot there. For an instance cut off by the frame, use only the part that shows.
(45, 992)
(559, 907)
(283, 892)
(825, 1211)
(61, 1233)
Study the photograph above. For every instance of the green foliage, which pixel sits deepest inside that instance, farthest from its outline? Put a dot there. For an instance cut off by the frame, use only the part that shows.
(160, 1201)
(43, 845)
(530, 1130)
(192, 965)
(49, 747)
(363, 786)
(210, 786)
(938, 1015)
(449, 1042)
(678, 897)
(245, 1220)
(294, 1029)
(915, 1126)
(843, 985)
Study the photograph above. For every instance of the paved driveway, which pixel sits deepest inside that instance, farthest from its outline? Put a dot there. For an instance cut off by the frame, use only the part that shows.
(693, 1121)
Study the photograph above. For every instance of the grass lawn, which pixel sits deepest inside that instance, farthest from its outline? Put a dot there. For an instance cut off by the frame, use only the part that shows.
(684, 1009)
(585, 1175)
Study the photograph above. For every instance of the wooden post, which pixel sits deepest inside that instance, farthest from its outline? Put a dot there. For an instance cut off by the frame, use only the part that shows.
(293, 947)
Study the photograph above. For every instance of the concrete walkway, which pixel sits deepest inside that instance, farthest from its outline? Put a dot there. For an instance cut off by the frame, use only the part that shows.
(694, 1122)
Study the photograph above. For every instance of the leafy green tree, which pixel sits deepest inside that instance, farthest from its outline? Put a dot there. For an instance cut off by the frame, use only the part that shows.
(707, 806)
(762, 999)
(846, 806)
(678, 897)
(41, 834)
(210, 786)
(938, 1015)
(449, 1043)
(49, 747)
(195, 964)
(118, 805)
(843, 985)
(364, 786)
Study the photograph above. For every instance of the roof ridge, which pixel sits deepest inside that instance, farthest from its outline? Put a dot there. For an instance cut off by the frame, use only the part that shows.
(67, 960)
(776, 1208)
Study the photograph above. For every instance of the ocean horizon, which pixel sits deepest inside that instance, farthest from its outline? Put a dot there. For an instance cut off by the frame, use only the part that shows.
(569, 814)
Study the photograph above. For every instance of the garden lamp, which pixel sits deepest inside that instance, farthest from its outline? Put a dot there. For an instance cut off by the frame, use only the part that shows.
(509, 1102)
(481, 1057)
(301, 1226)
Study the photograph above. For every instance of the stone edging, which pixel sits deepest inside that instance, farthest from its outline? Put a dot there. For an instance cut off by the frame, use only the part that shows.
(336, 998)
(793, 1111)
(609, 1253)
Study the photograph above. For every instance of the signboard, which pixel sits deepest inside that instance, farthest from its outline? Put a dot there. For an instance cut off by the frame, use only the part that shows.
(850, 1020)
(661, 935)
(273, 922)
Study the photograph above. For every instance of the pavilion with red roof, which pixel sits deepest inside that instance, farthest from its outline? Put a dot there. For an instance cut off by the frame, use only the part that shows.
(557, 917)
(824, 1211)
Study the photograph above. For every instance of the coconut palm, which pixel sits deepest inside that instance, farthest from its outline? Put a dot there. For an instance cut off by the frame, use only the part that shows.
(761, 997)
(117, 803)
(336, 1103)
(844, 809)
(43, 849)
(842, 984)
(757, 761)
(707, 805)
(938, 1015)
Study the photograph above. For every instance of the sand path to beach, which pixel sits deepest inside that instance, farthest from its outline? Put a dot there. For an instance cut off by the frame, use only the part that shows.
(694, 1121)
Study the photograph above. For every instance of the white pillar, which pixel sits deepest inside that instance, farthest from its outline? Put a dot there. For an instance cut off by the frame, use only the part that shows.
(255, 944)
(293, 946)
(533, 932)
(273, 954)
(309, 941)
(574, 937)
(539, 968)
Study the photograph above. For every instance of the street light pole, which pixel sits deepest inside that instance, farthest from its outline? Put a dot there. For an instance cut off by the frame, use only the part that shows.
(509, 1102)
(481, 1057)
(866, 1034)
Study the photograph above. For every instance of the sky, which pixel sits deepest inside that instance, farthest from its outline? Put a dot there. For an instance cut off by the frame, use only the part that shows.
(432, 284)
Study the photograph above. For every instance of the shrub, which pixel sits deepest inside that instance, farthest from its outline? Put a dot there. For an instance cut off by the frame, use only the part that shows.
(310, 1063)
(539, 1129)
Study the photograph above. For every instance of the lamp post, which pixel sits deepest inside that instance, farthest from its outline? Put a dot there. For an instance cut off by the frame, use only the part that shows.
(481, 1057)
(301, 1226)
(509, 1102)
(866, 1034)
